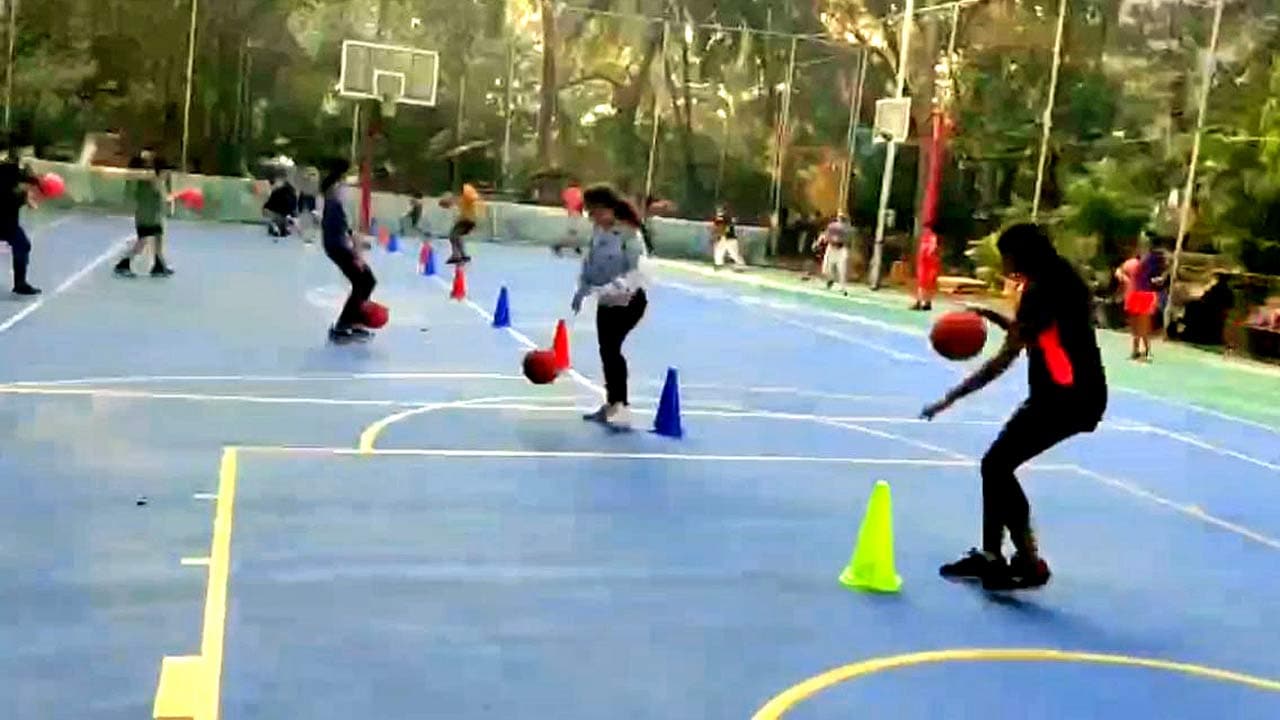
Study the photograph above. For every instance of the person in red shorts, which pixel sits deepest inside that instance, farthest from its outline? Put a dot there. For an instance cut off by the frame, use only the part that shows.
(928, 268)
(1142, 276)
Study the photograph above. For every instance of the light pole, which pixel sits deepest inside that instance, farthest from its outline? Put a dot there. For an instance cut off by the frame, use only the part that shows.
(8, 75)
(1184, 212)
(891, 153)
(191, 66)
(1047, 120)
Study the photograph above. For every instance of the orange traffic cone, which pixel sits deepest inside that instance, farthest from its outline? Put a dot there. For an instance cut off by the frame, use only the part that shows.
(561, 346)
(459, 291)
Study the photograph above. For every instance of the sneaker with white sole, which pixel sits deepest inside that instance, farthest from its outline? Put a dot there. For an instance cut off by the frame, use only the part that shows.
(618, 417)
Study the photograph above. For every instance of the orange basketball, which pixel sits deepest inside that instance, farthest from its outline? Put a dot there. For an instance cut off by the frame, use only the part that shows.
(959, 335)
(375, 314)
(540, 367)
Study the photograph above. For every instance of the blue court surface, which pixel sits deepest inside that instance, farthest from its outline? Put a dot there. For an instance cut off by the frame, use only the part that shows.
(194, 479)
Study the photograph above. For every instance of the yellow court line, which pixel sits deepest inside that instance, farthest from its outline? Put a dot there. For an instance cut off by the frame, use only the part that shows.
(213, 636)
(190, 687)
(789, 698)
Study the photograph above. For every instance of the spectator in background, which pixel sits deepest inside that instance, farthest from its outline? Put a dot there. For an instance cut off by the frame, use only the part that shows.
(571, 198)
(281, 207)
(724, 240)
(16, 184)
(835, 261)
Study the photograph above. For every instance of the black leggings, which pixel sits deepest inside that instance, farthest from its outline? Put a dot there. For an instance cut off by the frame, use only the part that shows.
(1033, 429)
(613, 324)
(20, 248)
(362, 284)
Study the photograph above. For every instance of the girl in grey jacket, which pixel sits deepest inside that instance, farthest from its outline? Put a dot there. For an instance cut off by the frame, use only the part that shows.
(611, 271)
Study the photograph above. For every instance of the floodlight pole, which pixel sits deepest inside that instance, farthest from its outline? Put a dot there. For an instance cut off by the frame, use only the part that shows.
(1184, 212)
(1047, 121)
(780, 153)
(891, 152)
(657, 123)
(8, 75)
(851, 142)
(510, 113)
(191, 66)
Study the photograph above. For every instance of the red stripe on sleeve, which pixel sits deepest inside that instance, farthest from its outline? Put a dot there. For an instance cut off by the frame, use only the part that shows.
(1056, 358)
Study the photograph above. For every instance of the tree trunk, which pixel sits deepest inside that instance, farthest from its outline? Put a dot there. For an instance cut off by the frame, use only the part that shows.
(550, 87)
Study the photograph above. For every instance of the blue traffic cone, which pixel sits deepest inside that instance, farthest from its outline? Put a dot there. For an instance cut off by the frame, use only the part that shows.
(393, 243)
(502, 314)
(428, 260)
(667, 421)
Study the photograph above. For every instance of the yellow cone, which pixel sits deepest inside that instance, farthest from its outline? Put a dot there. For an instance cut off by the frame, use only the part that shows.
(871, 566)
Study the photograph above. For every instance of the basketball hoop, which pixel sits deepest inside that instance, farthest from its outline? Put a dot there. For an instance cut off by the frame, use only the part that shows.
(389, 87)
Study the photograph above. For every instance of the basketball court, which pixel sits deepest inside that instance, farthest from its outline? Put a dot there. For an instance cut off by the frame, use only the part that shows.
(408, 528)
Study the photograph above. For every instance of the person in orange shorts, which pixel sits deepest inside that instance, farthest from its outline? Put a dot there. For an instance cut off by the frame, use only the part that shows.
(1141, 278)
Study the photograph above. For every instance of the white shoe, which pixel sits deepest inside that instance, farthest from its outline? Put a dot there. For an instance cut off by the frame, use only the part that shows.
(601, 415)
(618, 417)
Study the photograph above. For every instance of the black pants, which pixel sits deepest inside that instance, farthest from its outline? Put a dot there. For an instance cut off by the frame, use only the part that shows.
(20, 248)
(613, 324)
(362, 284)
(1033, 429)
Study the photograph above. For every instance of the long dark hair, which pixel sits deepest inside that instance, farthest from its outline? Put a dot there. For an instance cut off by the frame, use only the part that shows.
(604, 196)
(1028, 246)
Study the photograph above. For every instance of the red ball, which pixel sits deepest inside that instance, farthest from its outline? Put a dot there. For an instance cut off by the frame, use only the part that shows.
(540, 367)
(192, 198)
(51, 185)
(375, 314)
(959, 335)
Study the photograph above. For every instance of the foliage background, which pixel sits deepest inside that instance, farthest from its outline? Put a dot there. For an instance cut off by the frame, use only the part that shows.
(583, 82)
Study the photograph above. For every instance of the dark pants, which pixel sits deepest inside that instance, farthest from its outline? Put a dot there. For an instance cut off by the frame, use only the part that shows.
(362, 284)
(1033, 429)
(613, 324)
(20, 248)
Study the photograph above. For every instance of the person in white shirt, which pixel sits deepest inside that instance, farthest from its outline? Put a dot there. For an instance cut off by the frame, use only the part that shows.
(724, 234)
(611, 271)
(835, 261)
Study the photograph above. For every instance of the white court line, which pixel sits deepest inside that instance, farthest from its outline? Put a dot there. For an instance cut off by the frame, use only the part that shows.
(1194, 441)
(65, 284)
(195, 561)
(143, 379)
(204, 496)
(595, 455)
(1186, 509)
(827, 332)
(524, 340)
(1201, 409)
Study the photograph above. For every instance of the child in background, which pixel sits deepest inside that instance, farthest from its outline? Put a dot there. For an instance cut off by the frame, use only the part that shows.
(573, 206)
(151, 193)
(724, 234)
(611, 271)
(469, 209)
(308, 203)
(281, 208)
(411, 223)
(1142, 276)
(835, 259)
(16, 183)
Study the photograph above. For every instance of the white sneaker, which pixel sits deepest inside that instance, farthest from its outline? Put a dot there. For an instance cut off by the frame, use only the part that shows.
(601, 415)
(618, 417)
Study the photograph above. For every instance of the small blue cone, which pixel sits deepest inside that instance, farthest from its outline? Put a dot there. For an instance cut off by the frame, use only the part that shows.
(429, 266)
(393, 243)
(502, 314)
(667, 421)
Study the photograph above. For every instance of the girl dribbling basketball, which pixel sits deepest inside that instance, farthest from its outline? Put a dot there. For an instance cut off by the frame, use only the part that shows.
(611, 272)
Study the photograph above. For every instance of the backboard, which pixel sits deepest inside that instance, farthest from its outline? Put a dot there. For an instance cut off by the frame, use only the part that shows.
(893, 119)
(389, 73)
